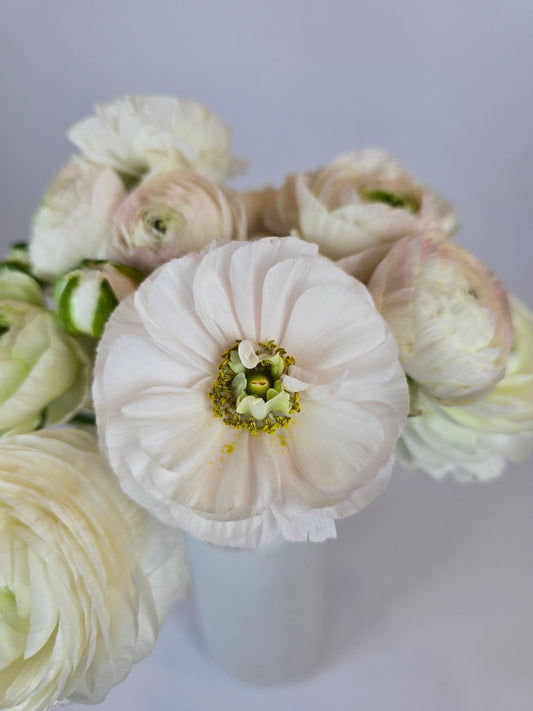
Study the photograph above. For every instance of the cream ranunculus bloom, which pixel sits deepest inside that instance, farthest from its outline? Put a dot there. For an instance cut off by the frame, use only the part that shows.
(171, 214)
(250, 393)
(44, 372)
(509, 407)
(86, 576)
(356, 208)
(475, 440)
(74, 220)
(139, 134)
(449, 314)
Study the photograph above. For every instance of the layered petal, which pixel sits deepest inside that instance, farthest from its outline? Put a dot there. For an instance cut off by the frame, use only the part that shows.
(171, 214)
(474, 440)
(137, 134)
(44, 373)
(355, 209)
(75, 219)
(449, 314)
(229, 395)
(87, 576)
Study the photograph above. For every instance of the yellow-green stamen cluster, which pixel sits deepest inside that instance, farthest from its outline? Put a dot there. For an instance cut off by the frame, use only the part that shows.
(402, 202)
(254, 398)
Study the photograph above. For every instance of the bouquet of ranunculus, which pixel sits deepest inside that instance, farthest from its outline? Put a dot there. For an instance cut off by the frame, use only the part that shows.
(245, 367)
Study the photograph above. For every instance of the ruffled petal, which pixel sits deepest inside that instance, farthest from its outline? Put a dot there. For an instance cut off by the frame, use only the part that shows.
(321, 335)
(256, 485)
(136, 363)
(213, 300)
(284, 284)
(248, 271)
(175, 425)
(165, 305)
(352, 431)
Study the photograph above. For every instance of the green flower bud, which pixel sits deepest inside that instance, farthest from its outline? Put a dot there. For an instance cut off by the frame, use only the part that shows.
(18, 258)
(85, 297)
(44, 373)
(19, 286)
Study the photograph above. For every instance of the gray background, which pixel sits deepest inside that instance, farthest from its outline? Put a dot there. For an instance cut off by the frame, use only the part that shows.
(431, 586)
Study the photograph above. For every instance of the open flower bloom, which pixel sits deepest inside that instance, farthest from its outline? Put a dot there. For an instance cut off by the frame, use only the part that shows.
(250, 393)
(74, 220)
(171, 214)
(356, 208)
(86, 575)
(475, 440)
(449, 314)
(138, 134)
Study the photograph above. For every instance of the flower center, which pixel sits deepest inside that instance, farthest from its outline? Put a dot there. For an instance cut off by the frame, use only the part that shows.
(401, 202)
(248, 392)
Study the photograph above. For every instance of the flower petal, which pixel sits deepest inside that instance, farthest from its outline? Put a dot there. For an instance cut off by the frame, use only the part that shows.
(166, 307)
(284, 284)
(330, 326)
(353, 432)
(212, 293)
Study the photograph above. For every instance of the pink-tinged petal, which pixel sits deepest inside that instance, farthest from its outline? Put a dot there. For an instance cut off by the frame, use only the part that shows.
(361, 497)
(134, 364)
(237, 479)
(249, 269)
(377, 376)
(361, 435)
(257, 485)
(362, 265)
(286, 281)
(213, 298)
(203, 464)
(165, 305)
(339, 207)
(175, 425)
(330, 326)
(449, 315)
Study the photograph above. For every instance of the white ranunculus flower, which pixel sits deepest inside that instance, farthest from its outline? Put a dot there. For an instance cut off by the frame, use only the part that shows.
(44, 372)
(356, 208)
(449, 314)
(475, 440)
(171, 214)
(86, 575)
(139, 134)
(74, 220)
(249, 393)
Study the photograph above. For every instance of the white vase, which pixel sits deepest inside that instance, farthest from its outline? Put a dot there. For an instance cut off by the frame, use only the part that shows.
(260, 612)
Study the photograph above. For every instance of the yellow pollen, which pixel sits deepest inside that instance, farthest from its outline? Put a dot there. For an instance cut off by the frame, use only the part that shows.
(258, 384)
